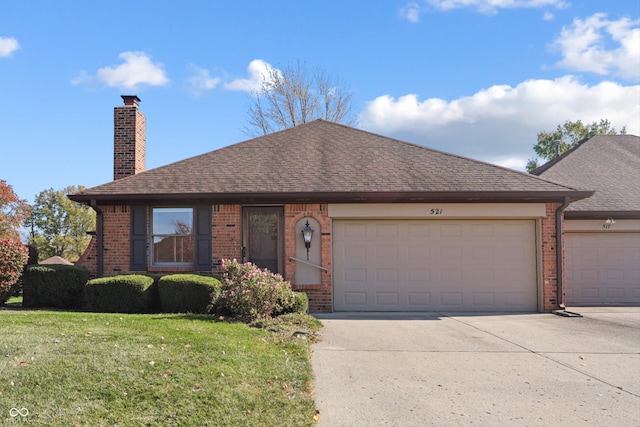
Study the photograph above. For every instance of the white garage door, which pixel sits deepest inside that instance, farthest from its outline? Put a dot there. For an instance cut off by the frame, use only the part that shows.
(423, 265)
(602, 268)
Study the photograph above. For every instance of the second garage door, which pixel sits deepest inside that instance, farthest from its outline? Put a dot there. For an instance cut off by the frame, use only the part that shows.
(603, 268)
(424, 265)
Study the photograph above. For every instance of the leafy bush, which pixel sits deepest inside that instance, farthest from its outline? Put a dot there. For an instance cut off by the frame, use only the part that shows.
(58, 286)
(250, 293)
(13, 257)
(298, 304)
(188, 293)
(132, 293)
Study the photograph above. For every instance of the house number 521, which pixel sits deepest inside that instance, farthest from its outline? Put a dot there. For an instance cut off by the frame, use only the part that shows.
(435, 212)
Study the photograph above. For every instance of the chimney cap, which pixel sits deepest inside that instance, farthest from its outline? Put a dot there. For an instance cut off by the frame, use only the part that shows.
(130, 99)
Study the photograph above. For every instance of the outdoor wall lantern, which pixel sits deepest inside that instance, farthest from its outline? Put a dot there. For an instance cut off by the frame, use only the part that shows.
(608, 223)
(307, 234)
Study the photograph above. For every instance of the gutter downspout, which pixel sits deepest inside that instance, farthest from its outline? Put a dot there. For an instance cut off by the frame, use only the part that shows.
(99, 238)
(559, 253)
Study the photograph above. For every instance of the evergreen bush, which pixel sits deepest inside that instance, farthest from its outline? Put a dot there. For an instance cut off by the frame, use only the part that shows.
(131, 293)
(188, 293)
(56, 286)
(298, 304)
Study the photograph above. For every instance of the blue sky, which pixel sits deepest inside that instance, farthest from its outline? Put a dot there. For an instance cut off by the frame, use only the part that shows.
(478, 78)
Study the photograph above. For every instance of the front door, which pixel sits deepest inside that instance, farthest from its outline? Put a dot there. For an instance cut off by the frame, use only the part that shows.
(262, 238)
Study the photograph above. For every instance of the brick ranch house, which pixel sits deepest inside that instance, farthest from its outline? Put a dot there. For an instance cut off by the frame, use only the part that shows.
(397, 226)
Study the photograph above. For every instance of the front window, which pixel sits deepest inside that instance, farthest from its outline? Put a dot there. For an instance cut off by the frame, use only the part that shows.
(173, 240)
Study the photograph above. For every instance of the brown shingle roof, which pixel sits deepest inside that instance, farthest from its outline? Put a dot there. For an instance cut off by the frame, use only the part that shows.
(608, 164)
(325, 161)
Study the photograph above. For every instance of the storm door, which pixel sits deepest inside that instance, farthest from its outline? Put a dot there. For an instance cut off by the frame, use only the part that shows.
(262, 239)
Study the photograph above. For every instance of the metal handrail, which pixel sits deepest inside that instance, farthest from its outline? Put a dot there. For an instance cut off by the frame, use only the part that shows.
(308, 263)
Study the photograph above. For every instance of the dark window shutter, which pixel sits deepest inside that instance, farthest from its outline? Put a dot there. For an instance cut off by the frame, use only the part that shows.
(203, 239)
(138, 238)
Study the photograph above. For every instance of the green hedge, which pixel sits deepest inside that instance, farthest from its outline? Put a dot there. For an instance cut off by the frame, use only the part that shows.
(188, 293)
(298, 304)
(57, 286)
(131, 293)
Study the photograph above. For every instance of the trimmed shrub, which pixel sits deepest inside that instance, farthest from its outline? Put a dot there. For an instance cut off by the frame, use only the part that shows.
(13, 257)
(188, 293)
(250, 293)
(131, 293)
(298, 304)
(58, 286)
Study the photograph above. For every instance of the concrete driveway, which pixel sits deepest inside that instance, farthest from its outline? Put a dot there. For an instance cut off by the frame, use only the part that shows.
(437, 369)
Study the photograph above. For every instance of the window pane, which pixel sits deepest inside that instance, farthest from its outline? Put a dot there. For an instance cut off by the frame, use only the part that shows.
(169, 249)
(172, 221)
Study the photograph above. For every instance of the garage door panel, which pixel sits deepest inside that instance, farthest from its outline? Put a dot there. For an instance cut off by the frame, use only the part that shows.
(421, 275)
(418, 230)
(602, 268)
(435, 265)
(449, 300)
(418, 252)
(449, 230)
(419, 299)
(484, 298)
(451, 253)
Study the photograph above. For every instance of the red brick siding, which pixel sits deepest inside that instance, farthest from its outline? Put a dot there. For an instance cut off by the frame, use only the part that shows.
(548, 259)
(321, 294)
(227, 243)
(89, 259)
(117, 246)
(226, 224)
(129, 141)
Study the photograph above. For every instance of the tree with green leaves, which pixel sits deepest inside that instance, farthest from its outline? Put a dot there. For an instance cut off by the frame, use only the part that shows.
(292, 96)
(13, 212)
(566, 136)
(59, 226)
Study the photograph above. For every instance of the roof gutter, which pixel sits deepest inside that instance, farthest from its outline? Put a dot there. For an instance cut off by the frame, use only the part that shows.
(559, 253)
(344, 197)
(99, 238)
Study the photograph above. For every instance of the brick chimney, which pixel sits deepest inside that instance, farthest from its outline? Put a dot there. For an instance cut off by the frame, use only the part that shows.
(129, 138)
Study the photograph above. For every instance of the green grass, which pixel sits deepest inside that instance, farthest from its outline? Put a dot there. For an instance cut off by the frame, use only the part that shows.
(14, 302)
(90, 369)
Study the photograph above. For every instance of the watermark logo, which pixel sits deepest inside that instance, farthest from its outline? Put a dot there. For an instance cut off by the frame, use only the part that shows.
(22, 412)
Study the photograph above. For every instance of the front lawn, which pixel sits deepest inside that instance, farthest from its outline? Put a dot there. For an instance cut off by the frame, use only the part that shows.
(95, 369)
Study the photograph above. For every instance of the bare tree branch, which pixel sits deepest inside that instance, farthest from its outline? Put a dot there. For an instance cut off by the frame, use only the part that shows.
(289, 97)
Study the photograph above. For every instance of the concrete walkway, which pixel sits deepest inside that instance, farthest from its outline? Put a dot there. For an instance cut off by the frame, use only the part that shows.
(437, 369)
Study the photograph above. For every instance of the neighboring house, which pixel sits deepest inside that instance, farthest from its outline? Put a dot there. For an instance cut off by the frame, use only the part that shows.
(602, 233)
(397, 226)
(56, 260)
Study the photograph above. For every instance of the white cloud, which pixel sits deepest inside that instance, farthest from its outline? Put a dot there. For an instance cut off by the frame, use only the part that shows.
(500, 124)
(548, 16)
(137, 69)
(492, 6)
(201, 80)
(585, 46)
(258, 70)
(8, 45)
(411, 12)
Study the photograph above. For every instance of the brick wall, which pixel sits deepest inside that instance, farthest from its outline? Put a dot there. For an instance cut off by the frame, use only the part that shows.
(117, 246)
(549, 270)
(227, 243)
(117, 231)
(129, 140)
(89, 259)
(320, 295)
(226, 224)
